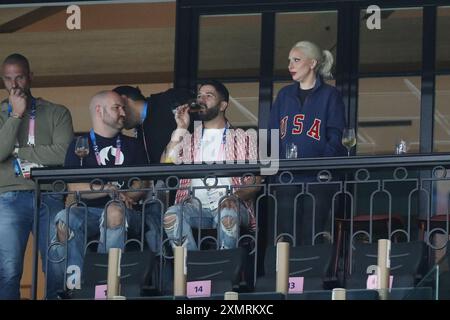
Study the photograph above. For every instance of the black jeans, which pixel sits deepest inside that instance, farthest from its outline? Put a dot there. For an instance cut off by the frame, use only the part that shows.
(307, 223)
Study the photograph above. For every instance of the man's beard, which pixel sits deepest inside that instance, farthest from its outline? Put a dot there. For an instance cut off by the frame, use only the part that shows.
(117, 124)
(209, 114)
(120, 124)
(131, 122)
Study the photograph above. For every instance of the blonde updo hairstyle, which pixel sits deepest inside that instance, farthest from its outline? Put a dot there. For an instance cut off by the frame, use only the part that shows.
(324, 58)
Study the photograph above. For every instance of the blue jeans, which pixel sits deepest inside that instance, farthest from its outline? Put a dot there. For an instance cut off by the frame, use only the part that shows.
(16, 222)
(84, 223)
(228, 237)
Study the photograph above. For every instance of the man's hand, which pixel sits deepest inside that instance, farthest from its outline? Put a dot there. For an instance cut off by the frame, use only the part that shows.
(229, 203)
(127, 200)
(18, 101)
(182, 117)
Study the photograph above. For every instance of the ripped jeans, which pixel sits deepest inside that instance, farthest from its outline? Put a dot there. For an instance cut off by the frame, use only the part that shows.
(87, 222)
(228, 231)
(16, 223)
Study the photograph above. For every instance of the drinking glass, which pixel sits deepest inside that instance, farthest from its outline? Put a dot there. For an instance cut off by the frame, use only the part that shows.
(291, 151)
(349, 139)
(82, 148)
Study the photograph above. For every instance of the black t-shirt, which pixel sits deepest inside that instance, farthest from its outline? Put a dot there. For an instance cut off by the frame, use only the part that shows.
(132, 154)
(303, 94)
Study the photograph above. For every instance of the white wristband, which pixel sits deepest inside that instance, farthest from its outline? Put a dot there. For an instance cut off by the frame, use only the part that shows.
(178, 135)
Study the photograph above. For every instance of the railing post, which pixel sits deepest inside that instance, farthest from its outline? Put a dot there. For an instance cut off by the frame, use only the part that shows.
(179, 283)
(384, 265)
(114, 256)
(339, 294)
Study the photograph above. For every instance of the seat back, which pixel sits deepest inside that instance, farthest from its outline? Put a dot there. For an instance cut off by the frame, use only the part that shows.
(327, 295)
(406, 260)
(313, 262)
(135, 272)
(222, 267)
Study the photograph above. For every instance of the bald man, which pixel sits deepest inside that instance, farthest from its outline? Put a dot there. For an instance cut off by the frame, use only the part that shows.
(107, 148)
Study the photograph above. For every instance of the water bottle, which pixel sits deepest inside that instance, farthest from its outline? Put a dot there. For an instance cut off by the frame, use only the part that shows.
(291, 151)
(400, 147)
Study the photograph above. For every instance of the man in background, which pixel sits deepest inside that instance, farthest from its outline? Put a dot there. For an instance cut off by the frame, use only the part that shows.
(152, 117)
(214, 141)
(110, 213)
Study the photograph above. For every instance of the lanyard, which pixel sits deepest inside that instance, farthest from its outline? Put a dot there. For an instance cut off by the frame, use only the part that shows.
(31, 124)
(97, 153)
(144, 112)
(143, 116)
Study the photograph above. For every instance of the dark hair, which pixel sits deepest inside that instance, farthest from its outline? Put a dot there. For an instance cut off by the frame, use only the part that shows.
(175, 97)
(133, 93)
(17, 58)
(220, 88)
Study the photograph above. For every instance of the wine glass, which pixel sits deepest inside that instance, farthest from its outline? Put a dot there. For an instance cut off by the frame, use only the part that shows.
(194, 106)
(82, 148)
(401, 147)
(349, 139)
